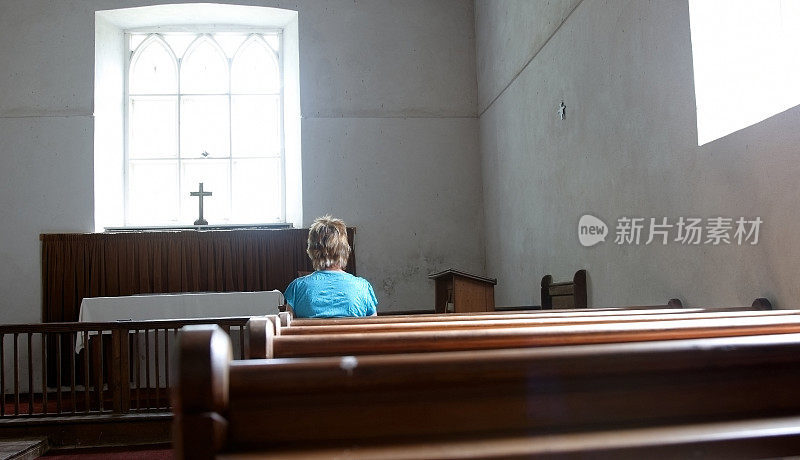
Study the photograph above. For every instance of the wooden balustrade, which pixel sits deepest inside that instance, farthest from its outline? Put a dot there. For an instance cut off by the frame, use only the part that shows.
(113, 367)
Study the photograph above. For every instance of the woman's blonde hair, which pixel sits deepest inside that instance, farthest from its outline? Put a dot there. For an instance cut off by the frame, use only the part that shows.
(327, 243)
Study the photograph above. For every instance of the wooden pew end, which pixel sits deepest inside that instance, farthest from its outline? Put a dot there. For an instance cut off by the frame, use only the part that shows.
(569, 294)
(286, 318)
(201, 392)
(260, 331)
(675, 303)
(762, 303)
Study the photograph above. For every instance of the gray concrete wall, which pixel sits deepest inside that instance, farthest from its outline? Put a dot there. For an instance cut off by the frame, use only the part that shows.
(628, 147)
(405, 68)
(510, 33)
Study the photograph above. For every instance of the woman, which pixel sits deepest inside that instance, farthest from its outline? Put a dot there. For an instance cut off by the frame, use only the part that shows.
(330, 291)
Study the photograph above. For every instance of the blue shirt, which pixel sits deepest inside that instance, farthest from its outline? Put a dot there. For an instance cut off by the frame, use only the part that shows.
(327, 294)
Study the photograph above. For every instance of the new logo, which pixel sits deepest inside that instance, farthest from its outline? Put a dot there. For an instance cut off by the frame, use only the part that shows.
(591, 230)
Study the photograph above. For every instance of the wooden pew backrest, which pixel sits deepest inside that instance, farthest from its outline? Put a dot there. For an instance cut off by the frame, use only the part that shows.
(522, 321)
(635, 310)
(372, 400)
(290, 346)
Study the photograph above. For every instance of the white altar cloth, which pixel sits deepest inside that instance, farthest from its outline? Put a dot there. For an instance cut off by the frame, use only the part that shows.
(177, 306)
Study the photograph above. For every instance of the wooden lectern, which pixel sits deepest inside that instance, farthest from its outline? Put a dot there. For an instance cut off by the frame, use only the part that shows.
(460, 292)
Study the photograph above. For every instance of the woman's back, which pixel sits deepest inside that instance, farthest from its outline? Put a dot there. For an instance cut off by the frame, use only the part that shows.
(331, 293)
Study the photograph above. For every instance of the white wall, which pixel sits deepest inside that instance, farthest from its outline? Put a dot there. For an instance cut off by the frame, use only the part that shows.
(628, 147)
(405, 68)
(409, 190)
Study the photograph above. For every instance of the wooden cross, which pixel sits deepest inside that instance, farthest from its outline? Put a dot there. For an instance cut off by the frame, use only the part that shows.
(200, 193)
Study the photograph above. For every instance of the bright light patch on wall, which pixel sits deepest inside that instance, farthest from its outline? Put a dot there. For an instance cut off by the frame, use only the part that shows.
(746, 62)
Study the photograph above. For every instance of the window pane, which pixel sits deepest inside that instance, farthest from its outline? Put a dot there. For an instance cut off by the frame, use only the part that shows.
(256, 126)
(255, 70)
(152, 192)
(257, 190)
(204, 126)
(273, 42)
(230, 42)
(204, 69)
(214, 174)
(153, 125)
(179, 42)
(136, 40)
(153, 70)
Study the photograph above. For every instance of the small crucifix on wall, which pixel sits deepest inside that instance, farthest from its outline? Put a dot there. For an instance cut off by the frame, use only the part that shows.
(200, 193)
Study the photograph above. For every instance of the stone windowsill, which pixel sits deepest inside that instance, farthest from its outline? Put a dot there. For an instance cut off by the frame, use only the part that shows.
(176, 228)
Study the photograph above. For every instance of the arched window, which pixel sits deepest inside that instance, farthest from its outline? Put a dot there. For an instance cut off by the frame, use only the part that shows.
(204, 107)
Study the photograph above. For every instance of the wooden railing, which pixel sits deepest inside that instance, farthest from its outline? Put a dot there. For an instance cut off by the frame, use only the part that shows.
(93, 368)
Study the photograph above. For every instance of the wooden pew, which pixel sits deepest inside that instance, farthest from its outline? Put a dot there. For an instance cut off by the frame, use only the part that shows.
(394, 318)
(736, 395)
(264, 343)
(567, 294)
(287, 318)
(673, 306)
(529, 321)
